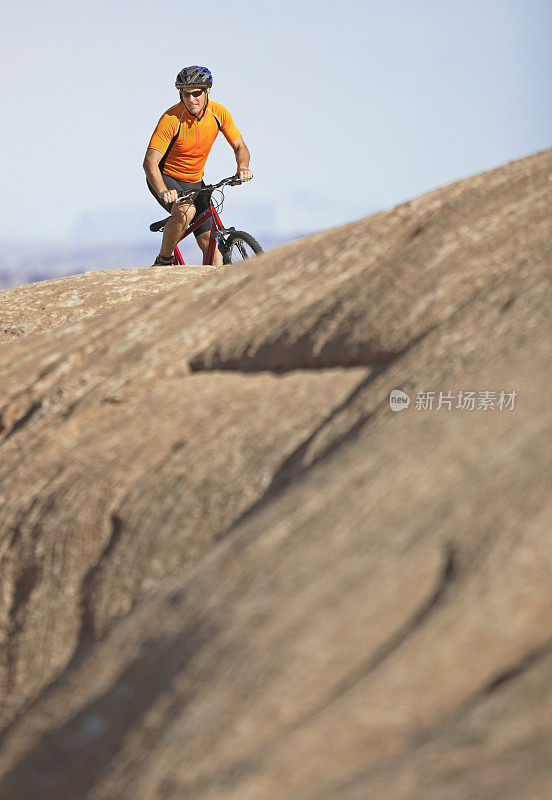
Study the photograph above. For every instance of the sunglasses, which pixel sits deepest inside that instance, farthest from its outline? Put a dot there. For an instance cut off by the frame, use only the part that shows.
(197, 93)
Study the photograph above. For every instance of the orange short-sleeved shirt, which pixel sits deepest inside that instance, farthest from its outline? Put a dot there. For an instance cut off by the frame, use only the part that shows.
(187, 157)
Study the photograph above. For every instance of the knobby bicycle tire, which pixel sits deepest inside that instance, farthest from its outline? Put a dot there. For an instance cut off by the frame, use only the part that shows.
(239, 246)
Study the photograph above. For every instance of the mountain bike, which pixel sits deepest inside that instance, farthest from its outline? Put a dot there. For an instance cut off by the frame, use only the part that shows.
(234, 245)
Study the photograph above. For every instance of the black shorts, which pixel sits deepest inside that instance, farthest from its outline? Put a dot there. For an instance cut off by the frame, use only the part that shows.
(201, 202)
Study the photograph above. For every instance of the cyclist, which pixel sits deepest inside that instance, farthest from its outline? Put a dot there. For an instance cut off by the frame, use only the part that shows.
(177, 152)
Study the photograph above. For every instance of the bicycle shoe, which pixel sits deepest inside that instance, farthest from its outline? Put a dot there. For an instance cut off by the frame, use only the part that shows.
(163, 261)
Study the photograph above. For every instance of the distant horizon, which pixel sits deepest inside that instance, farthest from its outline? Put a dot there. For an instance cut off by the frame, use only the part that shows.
(55, 260)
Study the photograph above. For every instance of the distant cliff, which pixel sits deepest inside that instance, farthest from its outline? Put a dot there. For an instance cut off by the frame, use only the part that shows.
(231, 571)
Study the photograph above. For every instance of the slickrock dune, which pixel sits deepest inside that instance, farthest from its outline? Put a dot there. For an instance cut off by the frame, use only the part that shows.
(230, 571)
(44, 305)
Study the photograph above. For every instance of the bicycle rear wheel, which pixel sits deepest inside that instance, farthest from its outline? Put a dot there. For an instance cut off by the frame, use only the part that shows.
(239, 246)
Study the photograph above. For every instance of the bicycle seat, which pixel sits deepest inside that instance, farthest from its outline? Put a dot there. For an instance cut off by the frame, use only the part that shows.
(158, 226)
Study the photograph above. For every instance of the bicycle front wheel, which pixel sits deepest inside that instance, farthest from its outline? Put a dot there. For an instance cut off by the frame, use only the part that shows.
(239, 246)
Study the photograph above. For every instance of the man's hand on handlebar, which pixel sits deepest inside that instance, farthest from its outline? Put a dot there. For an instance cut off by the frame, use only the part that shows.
(244, 174)
(169, 196)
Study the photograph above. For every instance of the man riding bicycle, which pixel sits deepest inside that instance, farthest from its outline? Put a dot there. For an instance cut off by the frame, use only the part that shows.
(177, 152)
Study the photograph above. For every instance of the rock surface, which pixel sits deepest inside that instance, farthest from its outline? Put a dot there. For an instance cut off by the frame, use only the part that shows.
(45, 305)
(229, 570)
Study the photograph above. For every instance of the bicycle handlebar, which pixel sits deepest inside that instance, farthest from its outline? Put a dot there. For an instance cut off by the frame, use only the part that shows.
(232, 181)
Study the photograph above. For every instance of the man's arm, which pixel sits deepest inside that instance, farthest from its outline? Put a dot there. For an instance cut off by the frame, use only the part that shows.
(154, 177)
(242, 159)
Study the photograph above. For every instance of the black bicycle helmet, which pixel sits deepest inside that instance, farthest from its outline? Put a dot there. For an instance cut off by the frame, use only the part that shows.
(194, 76)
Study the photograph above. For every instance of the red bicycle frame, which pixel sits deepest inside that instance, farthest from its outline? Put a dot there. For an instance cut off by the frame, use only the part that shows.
(216, 223)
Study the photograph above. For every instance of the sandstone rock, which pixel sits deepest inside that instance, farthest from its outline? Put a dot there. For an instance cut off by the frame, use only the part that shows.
(44, 305)
(270, 585)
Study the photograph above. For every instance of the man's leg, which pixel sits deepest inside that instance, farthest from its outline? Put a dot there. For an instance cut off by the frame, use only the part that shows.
(203, 242)
(181, 216)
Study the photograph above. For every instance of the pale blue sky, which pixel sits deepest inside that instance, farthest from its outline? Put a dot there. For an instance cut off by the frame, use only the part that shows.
(347, 107)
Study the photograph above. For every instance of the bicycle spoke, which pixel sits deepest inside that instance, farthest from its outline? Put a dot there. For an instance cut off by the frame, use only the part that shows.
(239, 252)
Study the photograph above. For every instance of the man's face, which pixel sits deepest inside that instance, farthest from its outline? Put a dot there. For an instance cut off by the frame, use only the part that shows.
(194, 98)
